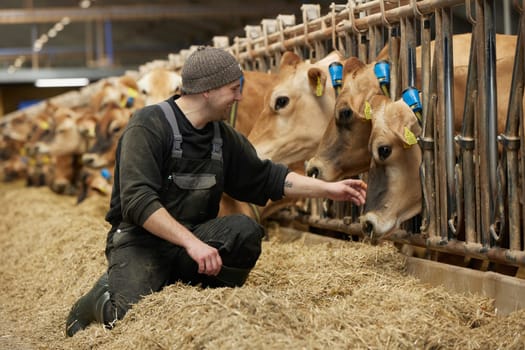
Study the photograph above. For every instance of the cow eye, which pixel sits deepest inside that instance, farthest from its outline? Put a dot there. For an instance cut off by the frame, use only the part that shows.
(384, 152)
(115, 129)
(281, 102)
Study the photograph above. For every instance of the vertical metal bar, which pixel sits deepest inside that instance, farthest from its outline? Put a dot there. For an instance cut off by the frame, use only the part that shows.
(363, 48)
(448, 95)
(425, 64)
(372, 43)
(480, 113)
(487, 117)
(466, 143)
(440, 149)
(522, 123)
(89, 43)
(394, 48)
(410, 33)
(34, 56)
(492, 115)
(108, 41)
(507, 19)
(510, 140)
(350, 44)
(403, 51)
(34, 33)
(99, 41)
(426, 143)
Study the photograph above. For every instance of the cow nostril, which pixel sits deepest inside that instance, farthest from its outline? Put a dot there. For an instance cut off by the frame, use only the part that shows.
(368, 228)
(384, 152)
(313, 172)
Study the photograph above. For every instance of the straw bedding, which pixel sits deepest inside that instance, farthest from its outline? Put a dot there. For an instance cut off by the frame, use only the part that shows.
(340, 295)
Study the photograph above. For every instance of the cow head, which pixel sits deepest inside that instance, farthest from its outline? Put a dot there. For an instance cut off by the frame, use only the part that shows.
(255, 86)
(159, 84)
(42, 130)
(342, 151)
(66, 138)
(118, 92)
(297, 110)
(394, 185)
(15, 133)
(17, 129)
(107, 133)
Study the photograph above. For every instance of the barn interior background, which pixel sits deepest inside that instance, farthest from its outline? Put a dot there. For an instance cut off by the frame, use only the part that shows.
(99, 38)
(483, 243)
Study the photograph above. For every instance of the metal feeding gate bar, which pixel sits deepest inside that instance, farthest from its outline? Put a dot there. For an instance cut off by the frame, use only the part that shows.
(472, 192)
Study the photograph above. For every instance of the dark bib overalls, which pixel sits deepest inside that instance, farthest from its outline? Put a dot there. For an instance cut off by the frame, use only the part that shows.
(141, 263)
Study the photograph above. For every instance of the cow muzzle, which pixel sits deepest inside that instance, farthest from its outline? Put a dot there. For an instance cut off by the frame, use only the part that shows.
(373, 228)
(367, 227)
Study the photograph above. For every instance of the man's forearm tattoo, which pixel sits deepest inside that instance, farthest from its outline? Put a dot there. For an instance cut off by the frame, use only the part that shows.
(288, 184)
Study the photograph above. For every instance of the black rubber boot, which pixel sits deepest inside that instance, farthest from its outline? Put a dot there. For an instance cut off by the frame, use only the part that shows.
(89, 308)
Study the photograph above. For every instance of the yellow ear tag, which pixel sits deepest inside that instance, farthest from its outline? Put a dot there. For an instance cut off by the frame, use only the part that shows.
(368, 111)
(319, 88)
(410, 138)
(91, 132)
(101, 189)
(44, 125)
(132, 92)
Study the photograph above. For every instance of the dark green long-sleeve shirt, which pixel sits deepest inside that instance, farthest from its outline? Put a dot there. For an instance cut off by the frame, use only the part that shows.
(144, 151)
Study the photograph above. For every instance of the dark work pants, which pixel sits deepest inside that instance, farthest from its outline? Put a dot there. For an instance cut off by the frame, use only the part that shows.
(140, 263)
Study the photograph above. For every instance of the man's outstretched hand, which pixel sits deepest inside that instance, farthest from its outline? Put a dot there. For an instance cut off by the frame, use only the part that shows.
(348, 190)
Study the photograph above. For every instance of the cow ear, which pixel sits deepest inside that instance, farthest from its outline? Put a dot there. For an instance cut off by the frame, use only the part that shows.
(351, 65)
(405, 124)
(317, 81)
(290, 59)
(50, 106)
(129, 81)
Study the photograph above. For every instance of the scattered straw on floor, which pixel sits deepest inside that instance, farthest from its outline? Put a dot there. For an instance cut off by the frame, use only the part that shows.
(342, 295)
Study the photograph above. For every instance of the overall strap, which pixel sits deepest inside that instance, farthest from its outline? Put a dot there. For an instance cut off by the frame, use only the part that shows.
(176, 151)
(216, 151)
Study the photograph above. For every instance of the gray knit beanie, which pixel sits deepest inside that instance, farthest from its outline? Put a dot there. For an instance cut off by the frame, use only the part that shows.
(208, 68)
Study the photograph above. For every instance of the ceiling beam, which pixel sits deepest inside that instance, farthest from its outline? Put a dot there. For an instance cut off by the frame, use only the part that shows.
(141, 12)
